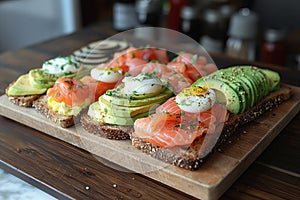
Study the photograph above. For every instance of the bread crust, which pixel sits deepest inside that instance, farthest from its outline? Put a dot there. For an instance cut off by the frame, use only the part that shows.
(110, 131)
(41, 106)
(24, 101)
(191, 157)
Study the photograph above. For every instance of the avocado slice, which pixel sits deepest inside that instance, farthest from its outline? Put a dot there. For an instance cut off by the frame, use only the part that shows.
(123, 111)
(22, 87)
(232, 97)
(239, 90)
(266, 84)
(245, 81)
(39, 78)
(251, 76)
(230, 77)
(273, 78)
(114, 107)
(248, 93)
(242, 86)
(261, 83)
(97, 114)
(128, 101)
(252, 88)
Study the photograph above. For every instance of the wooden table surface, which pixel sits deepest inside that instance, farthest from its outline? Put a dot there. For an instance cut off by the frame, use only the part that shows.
(67, 172)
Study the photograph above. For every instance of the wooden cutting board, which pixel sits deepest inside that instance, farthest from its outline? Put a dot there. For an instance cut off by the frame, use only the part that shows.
(217, 174)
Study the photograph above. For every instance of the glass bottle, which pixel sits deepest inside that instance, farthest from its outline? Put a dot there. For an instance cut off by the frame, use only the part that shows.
(242, 35)
(173, 21)
(190, 22)
(149, 12)
(124, 16)
(273, 48)
(212, 37)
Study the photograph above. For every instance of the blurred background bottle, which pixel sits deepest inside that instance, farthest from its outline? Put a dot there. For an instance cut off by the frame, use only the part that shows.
(175, 7)
(214, 21)
(212, 37)
(243, 28)
(273, 48)
(190, 22)
(149, 12)
(124, 15)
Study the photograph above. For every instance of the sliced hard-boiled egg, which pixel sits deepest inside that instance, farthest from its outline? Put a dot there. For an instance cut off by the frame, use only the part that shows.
(107, 74)
(195, 99)
(144, 83)
(61, 65)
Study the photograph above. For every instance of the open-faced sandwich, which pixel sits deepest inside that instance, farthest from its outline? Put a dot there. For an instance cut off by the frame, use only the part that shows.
(113, 115)
(151, 79)
(68, 97)
(64, 101)
(181, 72)
(32, 85)
(186, 128)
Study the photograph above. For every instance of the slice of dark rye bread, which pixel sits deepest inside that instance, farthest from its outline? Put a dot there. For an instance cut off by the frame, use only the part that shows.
(24, 101)
(191, 157)
(110, 131)
(41, 106)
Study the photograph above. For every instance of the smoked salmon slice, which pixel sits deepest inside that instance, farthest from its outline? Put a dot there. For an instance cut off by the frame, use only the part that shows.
(181, 72)
(170, 126)
(70, 91)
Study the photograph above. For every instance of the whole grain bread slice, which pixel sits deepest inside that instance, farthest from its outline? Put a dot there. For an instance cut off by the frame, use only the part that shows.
(110, 131)
(24, 101)
(191, 157)
(41, 106)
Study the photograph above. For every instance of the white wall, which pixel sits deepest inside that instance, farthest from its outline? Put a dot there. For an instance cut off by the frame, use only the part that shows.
(24, 22)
